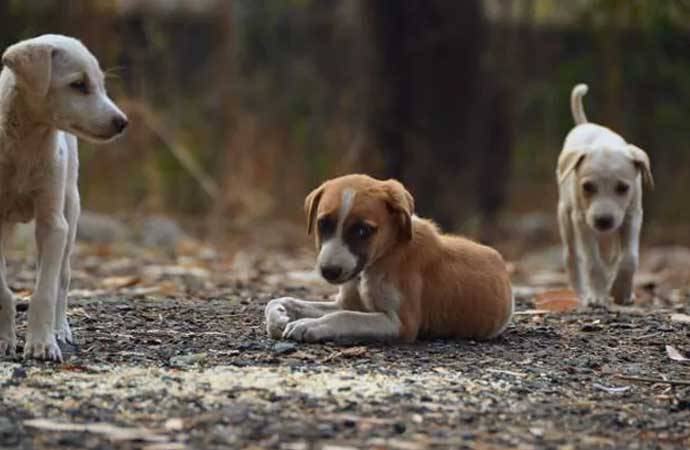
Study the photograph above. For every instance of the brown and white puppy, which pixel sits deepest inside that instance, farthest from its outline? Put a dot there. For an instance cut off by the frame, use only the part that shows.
(399, 277)
(600, 178)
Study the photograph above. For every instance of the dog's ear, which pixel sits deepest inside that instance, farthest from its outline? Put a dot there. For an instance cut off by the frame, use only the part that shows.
(401, 203)
(31, 63)
(569, 161)
(311, 204)
(641, 161)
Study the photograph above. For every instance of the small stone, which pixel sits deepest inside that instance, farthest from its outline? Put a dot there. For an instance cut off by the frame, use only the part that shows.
(326, 430)
(19, 373)
(589, 327)
(399, 427)
(284, 348)
(187, 360)
(100, 228)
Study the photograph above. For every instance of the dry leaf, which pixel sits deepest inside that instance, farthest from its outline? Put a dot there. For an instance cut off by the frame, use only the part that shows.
(682, 318)
(354, 351)
(174, 424)
(165, 446)
(675, 355)
(349, 352)
(112, 432)
(169, 288)
(560, 300)
(119, 282)
(531, 312)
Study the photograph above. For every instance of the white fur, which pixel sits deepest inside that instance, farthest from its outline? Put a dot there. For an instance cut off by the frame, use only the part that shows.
(334, 252)
(39, 168)
(599, 263)
(350, 317)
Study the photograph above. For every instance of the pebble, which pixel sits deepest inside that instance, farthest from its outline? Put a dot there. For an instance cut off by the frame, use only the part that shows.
(284, 348)
(19, 373)
(399, 427)
(590, 327)
(187, 360)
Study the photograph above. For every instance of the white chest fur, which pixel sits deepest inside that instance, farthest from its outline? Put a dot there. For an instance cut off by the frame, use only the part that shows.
(378, 293)
(22, 172)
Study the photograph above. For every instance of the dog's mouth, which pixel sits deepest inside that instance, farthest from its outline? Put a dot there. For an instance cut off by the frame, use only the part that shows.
(99, 138)
(347, 277)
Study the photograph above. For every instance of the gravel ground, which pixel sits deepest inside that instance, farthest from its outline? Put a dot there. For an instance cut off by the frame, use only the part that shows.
(173, 354)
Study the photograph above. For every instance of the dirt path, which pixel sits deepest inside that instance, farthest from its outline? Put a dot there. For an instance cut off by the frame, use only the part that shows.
(173, 355)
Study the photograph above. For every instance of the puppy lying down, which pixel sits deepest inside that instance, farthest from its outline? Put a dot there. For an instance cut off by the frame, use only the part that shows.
(400, 279)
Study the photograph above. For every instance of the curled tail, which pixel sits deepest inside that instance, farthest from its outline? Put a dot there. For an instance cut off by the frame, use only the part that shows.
(576, 108)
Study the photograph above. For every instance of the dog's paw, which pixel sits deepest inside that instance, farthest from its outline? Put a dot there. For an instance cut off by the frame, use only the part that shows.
(8, 346)
(63, 334)
(277, 318)
(306, 330)
(624, 301)
(43, 348)
(597, 300)
(8, 336)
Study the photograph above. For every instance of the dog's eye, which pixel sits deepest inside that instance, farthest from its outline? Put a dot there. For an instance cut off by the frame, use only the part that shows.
(589, 188)
(80, 86)
(326, 226)
(362, 231)
(622, 188)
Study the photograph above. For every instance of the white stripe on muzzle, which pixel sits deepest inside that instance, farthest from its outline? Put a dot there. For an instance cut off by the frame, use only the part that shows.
(334, 252)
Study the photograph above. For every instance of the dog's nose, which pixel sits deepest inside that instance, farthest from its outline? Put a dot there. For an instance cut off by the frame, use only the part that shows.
(120, 123)
(603, 223)
(331, 273)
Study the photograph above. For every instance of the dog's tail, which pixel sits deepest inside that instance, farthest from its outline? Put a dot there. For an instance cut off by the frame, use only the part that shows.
(578, 111)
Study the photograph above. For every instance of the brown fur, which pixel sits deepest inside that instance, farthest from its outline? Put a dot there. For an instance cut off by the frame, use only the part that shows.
(452, 287)
(449, 286)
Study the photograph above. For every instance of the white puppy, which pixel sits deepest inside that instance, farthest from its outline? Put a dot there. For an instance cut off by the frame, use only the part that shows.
(48, 84)
(600, 179)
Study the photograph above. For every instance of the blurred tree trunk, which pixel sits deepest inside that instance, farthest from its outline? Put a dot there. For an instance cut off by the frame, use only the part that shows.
(393, 79)
(440, 122)
(609, 39)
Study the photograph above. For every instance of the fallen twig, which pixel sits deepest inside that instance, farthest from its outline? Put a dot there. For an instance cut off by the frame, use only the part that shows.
(653, 380)
(507, 372)
(532, 312)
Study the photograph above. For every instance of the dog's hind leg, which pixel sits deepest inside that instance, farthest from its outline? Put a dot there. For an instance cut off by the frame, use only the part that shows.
(8, 338)
(622, 289)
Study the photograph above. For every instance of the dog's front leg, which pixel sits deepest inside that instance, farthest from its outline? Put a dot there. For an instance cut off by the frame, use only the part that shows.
(346, 326)
(281, 311)
(51, 238)
(72, 211)
(622, 289)
(570, 252)
(8, 336)
(595, 281)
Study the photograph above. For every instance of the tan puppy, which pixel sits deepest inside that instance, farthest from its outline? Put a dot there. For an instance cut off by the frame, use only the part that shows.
(51, 91)
(600, 179)
(399, 277)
